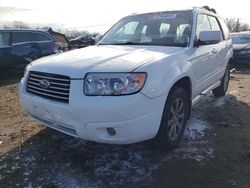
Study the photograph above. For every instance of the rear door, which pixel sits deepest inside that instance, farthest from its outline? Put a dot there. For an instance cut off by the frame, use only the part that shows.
(221, 48)
(21, 46)
(228, 48)
(42, 43)
(5, 48)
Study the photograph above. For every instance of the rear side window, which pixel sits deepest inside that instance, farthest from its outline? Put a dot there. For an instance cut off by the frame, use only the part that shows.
(202, 24)
(225, 29)
(214, 23)
(40, 37)
(20, 37)
(4, 39)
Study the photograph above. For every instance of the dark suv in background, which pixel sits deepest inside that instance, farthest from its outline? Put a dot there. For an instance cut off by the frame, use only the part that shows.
(21, 46)
(241, 47)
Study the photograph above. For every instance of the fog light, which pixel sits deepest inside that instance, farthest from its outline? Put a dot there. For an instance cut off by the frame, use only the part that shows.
(111, 131)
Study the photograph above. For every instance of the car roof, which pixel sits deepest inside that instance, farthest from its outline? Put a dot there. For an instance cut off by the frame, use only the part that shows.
(160, 12)
(31, 30)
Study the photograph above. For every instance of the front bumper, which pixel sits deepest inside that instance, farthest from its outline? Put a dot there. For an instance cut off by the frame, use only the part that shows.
(134, 117)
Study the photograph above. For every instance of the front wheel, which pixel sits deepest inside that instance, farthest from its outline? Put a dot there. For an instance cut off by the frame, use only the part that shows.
(222, 88)
(174, 119)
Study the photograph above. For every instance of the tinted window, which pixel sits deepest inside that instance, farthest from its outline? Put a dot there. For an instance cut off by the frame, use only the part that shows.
(202, 24)
(226, 32)
(4, 39)
(20, 37)
(39, 37)
(214, 23)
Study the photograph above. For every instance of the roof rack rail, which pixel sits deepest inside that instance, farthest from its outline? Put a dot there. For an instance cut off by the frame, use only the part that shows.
(209, 9)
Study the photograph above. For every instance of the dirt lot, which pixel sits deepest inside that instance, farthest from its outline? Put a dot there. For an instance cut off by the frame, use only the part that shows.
(215, 151)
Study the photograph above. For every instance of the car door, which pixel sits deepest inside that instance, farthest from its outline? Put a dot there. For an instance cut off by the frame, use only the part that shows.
(221, 48)
(227, 48)
(204, 58)
(42, 44)
(5, 48)
(21, 46)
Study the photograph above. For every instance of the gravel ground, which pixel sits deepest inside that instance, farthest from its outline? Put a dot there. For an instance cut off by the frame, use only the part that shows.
(215, 151)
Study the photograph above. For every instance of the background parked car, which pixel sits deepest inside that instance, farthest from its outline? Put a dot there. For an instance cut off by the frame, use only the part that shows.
(82, 41)
(21, 46)
(241, 46)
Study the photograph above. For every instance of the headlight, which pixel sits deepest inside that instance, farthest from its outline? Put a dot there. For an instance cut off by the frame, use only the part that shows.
(110, 84)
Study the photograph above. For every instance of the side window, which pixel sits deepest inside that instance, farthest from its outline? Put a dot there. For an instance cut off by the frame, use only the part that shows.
(4, 39)
(214, 23)
(202, 24)
(20, 37)
(40, 37)
(225, 29)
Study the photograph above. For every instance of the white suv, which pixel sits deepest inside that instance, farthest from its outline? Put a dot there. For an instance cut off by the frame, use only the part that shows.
(138, 83)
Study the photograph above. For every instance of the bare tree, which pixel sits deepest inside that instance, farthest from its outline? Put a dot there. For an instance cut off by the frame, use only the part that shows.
(17, 25)
(235, 25)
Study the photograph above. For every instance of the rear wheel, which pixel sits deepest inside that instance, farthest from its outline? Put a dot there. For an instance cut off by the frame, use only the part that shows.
(174, 119)
(222, 88)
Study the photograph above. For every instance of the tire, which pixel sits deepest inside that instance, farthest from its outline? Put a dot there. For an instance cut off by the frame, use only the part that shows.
(172, 126)
(222, 88)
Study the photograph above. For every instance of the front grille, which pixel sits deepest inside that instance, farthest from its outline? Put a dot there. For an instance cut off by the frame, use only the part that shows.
(57, 86)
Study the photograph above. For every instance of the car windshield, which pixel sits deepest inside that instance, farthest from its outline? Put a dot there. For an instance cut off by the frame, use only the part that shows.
(241, 39)
(160, 29)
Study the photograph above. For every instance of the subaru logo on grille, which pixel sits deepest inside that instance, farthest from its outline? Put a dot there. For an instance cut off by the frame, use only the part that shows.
(44, 84)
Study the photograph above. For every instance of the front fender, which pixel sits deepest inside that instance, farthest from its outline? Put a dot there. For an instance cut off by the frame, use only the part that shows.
(162, 75)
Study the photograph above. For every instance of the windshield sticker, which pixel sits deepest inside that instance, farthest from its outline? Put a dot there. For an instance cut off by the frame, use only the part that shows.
(164, 16)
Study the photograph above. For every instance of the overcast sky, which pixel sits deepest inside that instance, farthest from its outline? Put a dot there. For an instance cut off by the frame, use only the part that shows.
(99, 15)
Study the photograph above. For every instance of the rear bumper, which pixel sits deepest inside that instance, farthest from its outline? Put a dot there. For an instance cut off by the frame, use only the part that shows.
(134, 118)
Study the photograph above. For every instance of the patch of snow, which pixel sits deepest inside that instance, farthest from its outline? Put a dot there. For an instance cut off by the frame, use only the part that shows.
(3, 166)
(194, 145)
(1, 142)
(1, 177)
(195, 129)
(220, 101)
(99, 164)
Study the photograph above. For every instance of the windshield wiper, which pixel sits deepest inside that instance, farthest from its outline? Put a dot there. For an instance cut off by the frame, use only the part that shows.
(122, 43)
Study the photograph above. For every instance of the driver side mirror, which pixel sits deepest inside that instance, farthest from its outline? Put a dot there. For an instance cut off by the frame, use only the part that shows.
(208, 37)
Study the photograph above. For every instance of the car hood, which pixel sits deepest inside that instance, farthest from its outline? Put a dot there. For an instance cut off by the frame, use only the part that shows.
(77, 63)
(241, 46)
